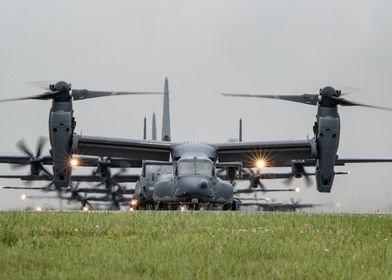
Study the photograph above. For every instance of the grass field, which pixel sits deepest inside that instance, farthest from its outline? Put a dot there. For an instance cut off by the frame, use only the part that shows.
(194, 245)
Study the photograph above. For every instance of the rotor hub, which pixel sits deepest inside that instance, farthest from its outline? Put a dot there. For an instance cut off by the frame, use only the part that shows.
(329, 97)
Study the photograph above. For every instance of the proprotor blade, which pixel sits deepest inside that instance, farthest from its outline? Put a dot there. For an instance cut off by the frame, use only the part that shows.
(40, 84)
(23, 147)
(345, 102)
(80, 94)
(43, 96)
(311, 99)
(41, 143)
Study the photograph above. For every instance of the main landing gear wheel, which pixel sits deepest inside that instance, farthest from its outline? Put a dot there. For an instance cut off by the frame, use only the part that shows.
(194, 206)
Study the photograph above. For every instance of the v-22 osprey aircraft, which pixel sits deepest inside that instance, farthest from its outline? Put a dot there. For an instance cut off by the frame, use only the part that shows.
(193, 179)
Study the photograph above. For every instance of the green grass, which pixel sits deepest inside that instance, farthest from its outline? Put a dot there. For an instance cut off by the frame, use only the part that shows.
(194, 245)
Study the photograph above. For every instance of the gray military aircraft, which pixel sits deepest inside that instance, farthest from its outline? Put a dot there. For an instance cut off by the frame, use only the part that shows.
(324, 145)
(193, 179)
(268, 206)
(62, 125)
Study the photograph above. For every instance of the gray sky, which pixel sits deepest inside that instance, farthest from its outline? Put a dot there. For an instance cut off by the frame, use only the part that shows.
(206, 47)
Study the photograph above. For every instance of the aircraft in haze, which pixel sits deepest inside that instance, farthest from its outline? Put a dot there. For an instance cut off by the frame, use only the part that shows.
(153, 175)
(271, 206)
(193, 178)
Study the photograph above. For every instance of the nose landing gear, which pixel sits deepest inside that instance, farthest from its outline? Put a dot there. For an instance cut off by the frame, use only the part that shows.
(233, 206)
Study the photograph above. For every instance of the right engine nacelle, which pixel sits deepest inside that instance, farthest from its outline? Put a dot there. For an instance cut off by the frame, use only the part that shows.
(61, 129)
(327, 146)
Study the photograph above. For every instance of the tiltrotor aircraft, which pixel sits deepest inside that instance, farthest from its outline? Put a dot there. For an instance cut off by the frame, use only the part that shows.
(192, 176)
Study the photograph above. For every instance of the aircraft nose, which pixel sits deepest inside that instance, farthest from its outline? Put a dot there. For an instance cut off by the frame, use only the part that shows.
(194, 187)
(203, 184)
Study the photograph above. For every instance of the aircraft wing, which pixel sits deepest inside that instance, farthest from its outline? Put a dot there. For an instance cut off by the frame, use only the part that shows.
(121, 178)
(85, 161)
(20, 188)
(282, 207)
(102, 191)
(249, 190)
(246, 176)
(17, 159)
(79, 190)
(122, 148)
(275, 153)
(343, 161)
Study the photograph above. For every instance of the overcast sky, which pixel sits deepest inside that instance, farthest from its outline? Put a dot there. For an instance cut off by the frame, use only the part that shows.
(206, 47)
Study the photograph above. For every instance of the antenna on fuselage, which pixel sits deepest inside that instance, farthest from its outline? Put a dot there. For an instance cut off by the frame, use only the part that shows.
(154, 128)
(145, 129)
(240, 132)
(166, 114)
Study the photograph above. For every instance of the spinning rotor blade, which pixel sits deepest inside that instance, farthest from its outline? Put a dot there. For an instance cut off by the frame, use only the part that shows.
(48, 186)
(345, 102)
(308, 181)
(43, 96)
(254, 178)
(78, 94)
(327, 94)
(23, 147)
(41, 143)
(62, 91)
(288, 181)
(311, 99)
(34, 160)
(40, 84)
(18, 166)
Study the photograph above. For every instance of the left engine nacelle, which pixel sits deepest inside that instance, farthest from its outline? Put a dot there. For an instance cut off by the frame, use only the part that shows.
(61, 130)
(327, 145)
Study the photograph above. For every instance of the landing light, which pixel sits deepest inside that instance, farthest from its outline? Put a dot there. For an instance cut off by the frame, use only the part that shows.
(297, 189)
(182, 208)
(134, 202)
(131, 209)
(260, 164)
(23, 196)
(38, 208)
(74, 162)
(85, 208)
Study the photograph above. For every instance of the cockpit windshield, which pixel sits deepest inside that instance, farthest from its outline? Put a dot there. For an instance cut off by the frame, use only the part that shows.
(163, 169)
(195, 166)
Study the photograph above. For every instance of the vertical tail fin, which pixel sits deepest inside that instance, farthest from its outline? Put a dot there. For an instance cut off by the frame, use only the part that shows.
(154, 127)
(166, 114)
(240, 132)
(145, 129)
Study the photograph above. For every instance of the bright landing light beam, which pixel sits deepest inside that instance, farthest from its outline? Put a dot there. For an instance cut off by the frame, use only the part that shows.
(260, 164)
(134, 203)
(74, 162)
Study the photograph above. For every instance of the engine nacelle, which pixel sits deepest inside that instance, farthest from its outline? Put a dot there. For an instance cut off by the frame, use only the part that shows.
(61, 125)
(35, 167)
(231, 173)
(297, 168)
(327, 136)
